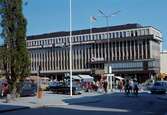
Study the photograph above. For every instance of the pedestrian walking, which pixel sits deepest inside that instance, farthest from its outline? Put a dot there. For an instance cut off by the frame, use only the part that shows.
(121, 86)
(127, 89)
(136, 87)
(105, 86)
(131, 86)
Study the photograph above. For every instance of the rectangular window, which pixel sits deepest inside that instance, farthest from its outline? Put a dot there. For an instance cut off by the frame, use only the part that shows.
(124, 34)
(136, 34)
(146, 31)
(117, 34)
(120, 34)
(100, 36)
(87, 38)
(110, 35)
(97, 37)
(113, 35)
(94, 37)
(131, 34)
(142, 32)
(76, 38)
(106, 35)
(73, 39)
(83, 37)
(139, 32)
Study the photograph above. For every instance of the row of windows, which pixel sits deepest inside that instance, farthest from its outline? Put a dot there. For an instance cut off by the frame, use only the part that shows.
(154, 64)
(89, 37)
(58, 58)
(128, 65)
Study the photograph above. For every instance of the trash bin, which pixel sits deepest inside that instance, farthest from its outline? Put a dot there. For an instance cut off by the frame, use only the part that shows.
(8, 98)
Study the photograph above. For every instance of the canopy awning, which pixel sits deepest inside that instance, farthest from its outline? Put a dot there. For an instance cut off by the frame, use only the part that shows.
(76, 77)
(118, 77)
(86, 78)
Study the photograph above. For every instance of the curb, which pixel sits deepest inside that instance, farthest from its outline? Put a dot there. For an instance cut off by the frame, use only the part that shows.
(84, 102)
(14, 109)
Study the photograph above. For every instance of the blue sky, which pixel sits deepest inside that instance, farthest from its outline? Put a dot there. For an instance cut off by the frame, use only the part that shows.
(45, 16)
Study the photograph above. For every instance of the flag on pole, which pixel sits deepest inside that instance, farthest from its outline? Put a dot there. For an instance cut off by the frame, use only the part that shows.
(93, 19)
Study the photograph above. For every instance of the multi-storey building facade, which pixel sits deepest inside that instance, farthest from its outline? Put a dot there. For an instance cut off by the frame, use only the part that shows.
(131, 50)
(163, 64)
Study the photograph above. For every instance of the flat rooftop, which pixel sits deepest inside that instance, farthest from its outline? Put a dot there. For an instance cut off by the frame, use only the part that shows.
(85, 31)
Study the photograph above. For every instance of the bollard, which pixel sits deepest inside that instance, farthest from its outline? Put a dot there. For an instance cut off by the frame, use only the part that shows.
(8, 98)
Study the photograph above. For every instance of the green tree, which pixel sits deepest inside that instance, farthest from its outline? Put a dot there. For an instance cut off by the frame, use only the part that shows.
(16, 60)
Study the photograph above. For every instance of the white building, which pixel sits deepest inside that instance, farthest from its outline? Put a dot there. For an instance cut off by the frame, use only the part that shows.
(163, 63)
(131, 50)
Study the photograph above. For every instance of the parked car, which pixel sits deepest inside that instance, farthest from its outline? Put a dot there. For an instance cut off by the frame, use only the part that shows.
(28, 89)
(63, 88)
(159, 87)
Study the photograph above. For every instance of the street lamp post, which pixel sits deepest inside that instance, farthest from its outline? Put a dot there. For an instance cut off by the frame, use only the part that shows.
(70, 48)
(107, 24)
(109, 68)
(38, 81)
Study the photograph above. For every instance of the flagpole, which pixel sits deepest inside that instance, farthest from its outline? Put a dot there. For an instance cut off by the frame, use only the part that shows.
(92, 18)
(70, 48)
(91, 28)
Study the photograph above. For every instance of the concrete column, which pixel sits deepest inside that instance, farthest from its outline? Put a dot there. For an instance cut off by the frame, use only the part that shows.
(44, 67)
(74, 58)
(40, 58)
(101, 50)
(53, 60)
(112, 51)
(134, 48)
(116, 51)
(146, 49)
(127, 53)
(49, 60)
(142, 52)
(130, 51)
(58, 59)
(104, 51)
(89, 49)
(95, 51)
(119, 50)
(92, 52)
(78, 55)
(123, 50)
(138, 51)
(82, 58)
(67, 57)
(108, 50)
(64, 59)
(85, 55)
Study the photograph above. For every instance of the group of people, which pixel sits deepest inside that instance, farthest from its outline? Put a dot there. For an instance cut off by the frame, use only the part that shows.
(129, 86)
(99, 85)
(102, 86)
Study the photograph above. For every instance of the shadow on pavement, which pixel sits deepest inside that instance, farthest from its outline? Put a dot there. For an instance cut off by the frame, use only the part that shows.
(119, 101)
(70, 111)
(8, 108)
